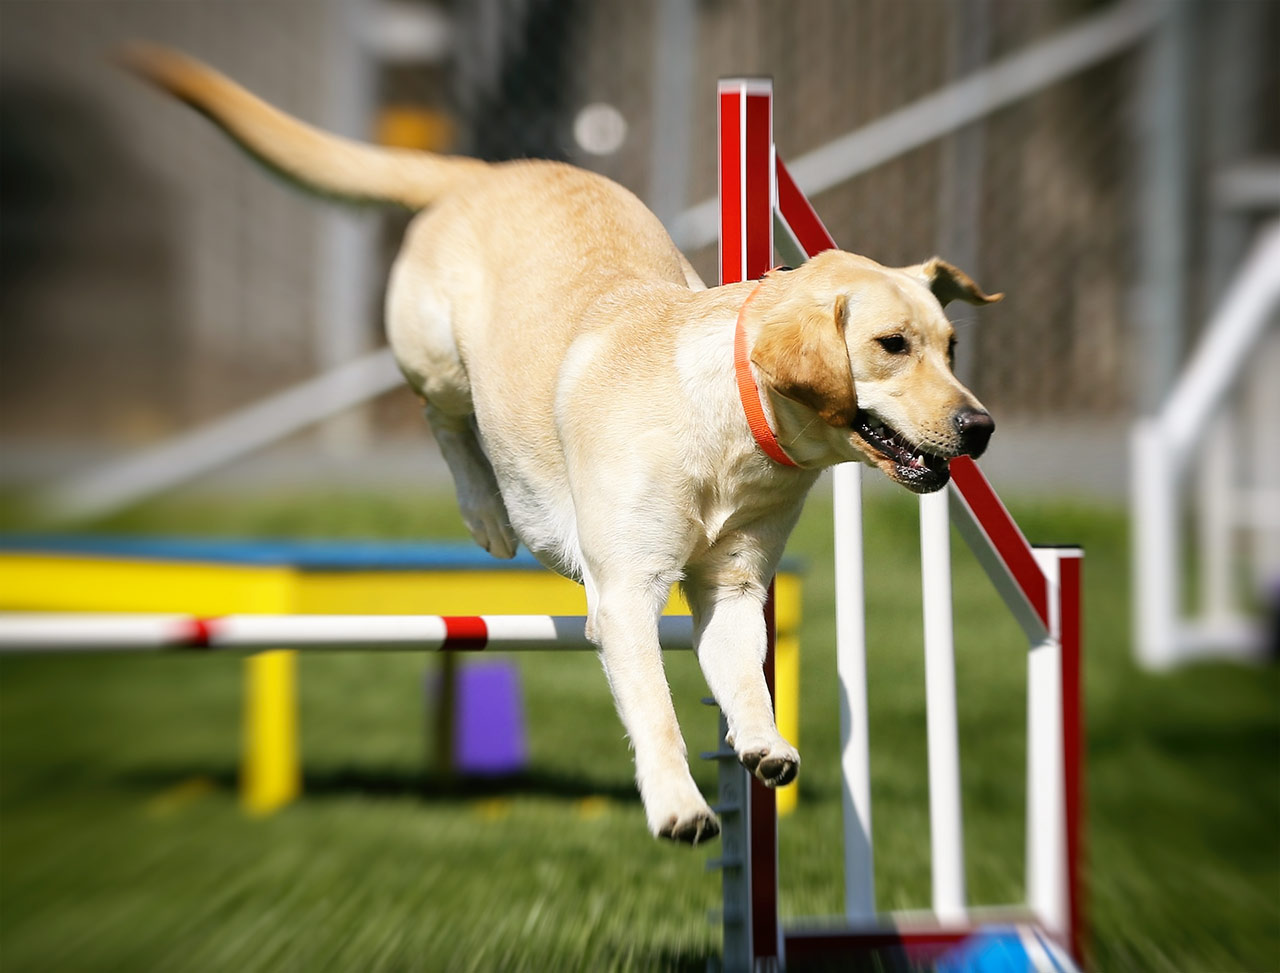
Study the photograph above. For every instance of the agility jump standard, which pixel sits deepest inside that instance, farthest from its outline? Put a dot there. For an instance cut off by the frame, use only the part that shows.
(1041, 588)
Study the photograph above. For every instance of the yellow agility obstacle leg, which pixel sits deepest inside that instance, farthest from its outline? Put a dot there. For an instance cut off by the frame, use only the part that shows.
(786, 675)
(270, 774)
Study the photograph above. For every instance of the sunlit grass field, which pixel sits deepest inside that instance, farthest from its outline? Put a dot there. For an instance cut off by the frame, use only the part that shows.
(122, 846)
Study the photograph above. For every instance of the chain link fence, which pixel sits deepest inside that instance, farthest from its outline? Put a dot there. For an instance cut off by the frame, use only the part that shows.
(153, 278)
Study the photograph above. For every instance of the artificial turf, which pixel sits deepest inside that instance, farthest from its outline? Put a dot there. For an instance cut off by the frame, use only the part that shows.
(122, 846)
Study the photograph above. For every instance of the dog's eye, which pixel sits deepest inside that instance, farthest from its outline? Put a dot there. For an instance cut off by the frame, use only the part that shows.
(894, 344)
(951, 353)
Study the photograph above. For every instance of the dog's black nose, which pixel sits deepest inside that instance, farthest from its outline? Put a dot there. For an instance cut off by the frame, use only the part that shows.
(975, 428)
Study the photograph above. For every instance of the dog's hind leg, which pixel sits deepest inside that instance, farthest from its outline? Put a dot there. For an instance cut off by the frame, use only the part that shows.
(420, 327)
(479, 498)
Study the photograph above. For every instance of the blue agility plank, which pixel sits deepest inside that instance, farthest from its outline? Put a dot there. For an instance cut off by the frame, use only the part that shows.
(316, 555)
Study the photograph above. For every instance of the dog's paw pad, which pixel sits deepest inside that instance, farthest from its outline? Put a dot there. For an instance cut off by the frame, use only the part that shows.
(777, 771)
(691, 830)
(774, 766)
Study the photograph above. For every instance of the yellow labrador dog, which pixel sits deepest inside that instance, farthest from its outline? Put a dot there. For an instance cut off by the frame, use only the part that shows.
(581, 382)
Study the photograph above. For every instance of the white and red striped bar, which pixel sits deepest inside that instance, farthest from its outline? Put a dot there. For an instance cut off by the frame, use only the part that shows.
(746, 253)
(798, 216)
(125, 632)
(1002, 549)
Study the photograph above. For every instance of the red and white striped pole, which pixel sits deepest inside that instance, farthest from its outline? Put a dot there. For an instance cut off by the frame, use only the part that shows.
(125, 632)
(746, 253)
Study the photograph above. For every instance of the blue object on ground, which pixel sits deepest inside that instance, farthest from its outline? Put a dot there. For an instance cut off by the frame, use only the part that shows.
(1007, 949)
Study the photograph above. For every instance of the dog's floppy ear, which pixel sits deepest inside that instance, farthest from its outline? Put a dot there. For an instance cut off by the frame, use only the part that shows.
(803, 357)
(949, 283)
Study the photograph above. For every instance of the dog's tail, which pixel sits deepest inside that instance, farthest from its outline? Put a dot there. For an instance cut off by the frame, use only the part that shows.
(323, 163)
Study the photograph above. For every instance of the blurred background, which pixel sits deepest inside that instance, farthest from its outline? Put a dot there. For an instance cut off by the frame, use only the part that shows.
(153, 280)
(1107, 165)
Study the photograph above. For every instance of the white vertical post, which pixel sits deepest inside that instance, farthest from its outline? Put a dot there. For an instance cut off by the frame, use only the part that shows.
(1215, 516)
(675, 42)
(851, 666)
(1046, 793)
(1261, 407)
(1163, 126)
(946, 826)
(1156, 551)
(346, 243)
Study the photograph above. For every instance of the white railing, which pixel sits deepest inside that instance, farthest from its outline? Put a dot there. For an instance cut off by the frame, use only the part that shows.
(214, 444)
(1163, 448)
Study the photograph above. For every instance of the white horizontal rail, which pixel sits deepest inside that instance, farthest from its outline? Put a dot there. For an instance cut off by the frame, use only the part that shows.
(128, 632)
(207, 447)
(1036, 67)
(1252, 185)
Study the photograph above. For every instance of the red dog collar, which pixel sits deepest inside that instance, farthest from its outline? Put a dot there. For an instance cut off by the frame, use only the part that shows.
(749, 394)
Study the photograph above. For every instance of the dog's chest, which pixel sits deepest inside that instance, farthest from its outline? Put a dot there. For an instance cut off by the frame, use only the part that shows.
(758, 500)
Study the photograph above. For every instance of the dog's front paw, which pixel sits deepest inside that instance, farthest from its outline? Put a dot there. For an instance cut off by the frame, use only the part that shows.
(682, 817)
(775, 765)
(692, 829)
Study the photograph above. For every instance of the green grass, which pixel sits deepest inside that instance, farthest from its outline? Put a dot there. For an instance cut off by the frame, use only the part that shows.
(122, 847)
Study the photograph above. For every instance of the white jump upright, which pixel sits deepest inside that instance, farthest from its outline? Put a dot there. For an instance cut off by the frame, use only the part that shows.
(946, 824)
(851, 669)
(1040, 587)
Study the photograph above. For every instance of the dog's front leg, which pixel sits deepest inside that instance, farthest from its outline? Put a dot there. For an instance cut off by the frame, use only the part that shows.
(730, 639)
(624, 623)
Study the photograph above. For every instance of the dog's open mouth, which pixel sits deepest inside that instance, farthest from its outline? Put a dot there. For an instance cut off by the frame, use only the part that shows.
(914, 467)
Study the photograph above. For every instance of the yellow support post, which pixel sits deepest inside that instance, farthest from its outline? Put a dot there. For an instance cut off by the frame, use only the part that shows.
(786, 675)
(786, 682)
(271, 776)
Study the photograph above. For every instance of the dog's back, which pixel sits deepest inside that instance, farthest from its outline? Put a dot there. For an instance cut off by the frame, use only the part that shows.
(495, 277)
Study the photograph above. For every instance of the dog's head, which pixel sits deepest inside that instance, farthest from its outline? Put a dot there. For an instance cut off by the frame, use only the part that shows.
(869, 350)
